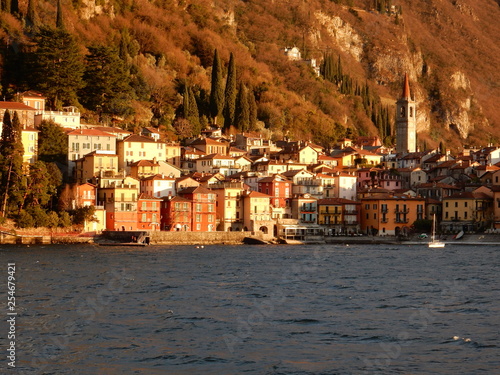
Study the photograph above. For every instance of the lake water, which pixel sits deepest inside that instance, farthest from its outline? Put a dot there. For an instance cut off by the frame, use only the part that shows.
(320, 309)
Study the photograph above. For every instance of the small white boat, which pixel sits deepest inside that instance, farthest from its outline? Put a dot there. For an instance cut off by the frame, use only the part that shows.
(434, 242)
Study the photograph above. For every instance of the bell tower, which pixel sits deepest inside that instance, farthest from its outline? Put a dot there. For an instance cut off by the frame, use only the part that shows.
(406, 121)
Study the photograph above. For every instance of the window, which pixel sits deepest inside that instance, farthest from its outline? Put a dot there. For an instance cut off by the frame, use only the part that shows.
(143, 206)
(446, 204)
(144, 218)
(198, 207)
(456, 204)
(465, 204)
(198, 218)
(154, 218)
(367, 206)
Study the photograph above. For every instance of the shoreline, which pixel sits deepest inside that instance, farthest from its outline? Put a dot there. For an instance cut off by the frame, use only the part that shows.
(231, 238)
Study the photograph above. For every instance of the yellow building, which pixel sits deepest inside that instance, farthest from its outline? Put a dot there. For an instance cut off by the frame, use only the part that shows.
(229, 205)
(144, 168)
(257, 213)
(173, 153)
(308, 155)
(94, 165)
(136, 147)
(29, 138)
(466, 211)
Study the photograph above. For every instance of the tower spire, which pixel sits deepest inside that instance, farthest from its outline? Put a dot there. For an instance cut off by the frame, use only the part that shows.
(406, 88)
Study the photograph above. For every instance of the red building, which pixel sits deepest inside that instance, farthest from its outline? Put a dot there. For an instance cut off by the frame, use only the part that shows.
(203, 210)
(280, 190)
(148, 212)
(176, 214)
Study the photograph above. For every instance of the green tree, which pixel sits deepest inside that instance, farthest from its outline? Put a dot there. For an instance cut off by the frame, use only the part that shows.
(56, 66)
(84, 214)
(52, 142)
(40, 188)
(242, 121)
(230, 94)
(64, 219)
(217, 89)
(107, 82)
(25, 220)
(11, 165)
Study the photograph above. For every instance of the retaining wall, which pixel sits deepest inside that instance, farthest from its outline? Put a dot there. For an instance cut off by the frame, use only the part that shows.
(202, 238)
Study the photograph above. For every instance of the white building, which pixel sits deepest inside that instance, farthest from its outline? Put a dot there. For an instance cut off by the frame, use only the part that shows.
(158, 186)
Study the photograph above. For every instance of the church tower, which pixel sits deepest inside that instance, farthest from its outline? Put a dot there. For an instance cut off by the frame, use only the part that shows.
(406, 121)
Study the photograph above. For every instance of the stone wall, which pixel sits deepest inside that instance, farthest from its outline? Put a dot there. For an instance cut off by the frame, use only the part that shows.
(201, 238)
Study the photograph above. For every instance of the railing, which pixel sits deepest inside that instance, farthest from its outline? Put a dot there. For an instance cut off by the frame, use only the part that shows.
(402, 210)
(401, 221)
(350, 212)
(385, 210)
(384, 220)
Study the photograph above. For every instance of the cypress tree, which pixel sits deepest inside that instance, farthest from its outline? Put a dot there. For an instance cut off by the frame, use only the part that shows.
(242, 109)
(217, 89)
(185, 102)
(14, 7)
(56, 66)
(32, 19)
(252, 110)
(11, 164)
(59, 16)
(230, 94)
(6, 6)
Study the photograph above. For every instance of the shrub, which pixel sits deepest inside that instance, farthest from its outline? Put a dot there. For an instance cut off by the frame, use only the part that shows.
(25, 220)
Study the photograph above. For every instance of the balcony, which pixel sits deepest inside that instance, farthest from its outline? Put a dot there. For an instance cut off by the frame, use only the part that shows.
(350, 212)
(402, 210)
(401, 221)
(351, 223)
(384, 220)
(384, 210)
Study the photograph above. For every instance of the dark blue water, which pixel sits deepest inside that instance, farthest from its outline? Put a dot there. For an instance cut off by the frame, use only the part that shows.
(255, 310)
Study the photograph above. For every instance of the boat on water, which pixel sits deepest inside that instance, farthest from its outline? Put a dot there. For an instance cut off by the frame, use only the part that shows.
(434, 243)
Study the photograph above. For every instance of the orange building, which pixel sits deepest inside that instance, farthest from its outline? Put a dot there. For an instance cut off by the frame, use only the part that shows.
(176, 214)
(387, 214)
(148, 212)
(203, 208)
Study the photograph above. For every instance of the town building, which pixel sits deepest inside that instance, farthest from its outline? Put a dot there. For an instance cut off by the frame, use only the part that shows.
(388, 214)
(148, 212)
(176, 214)
(158, 186)
(203, 203)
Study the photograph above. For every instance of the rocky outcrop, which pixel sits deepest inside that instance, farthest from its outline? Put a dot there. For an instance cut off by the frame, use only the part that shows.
(90, 9)
(347, 38)
(456, 112)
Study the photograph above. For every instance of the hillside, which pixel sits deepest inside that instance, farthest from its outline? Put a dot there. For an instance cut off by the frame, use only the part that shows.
(450, 50)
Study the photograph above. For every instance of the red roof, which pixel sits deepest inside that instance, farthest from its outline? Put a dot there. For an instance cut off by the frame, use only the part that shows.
(16, 106)
(90, 132)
